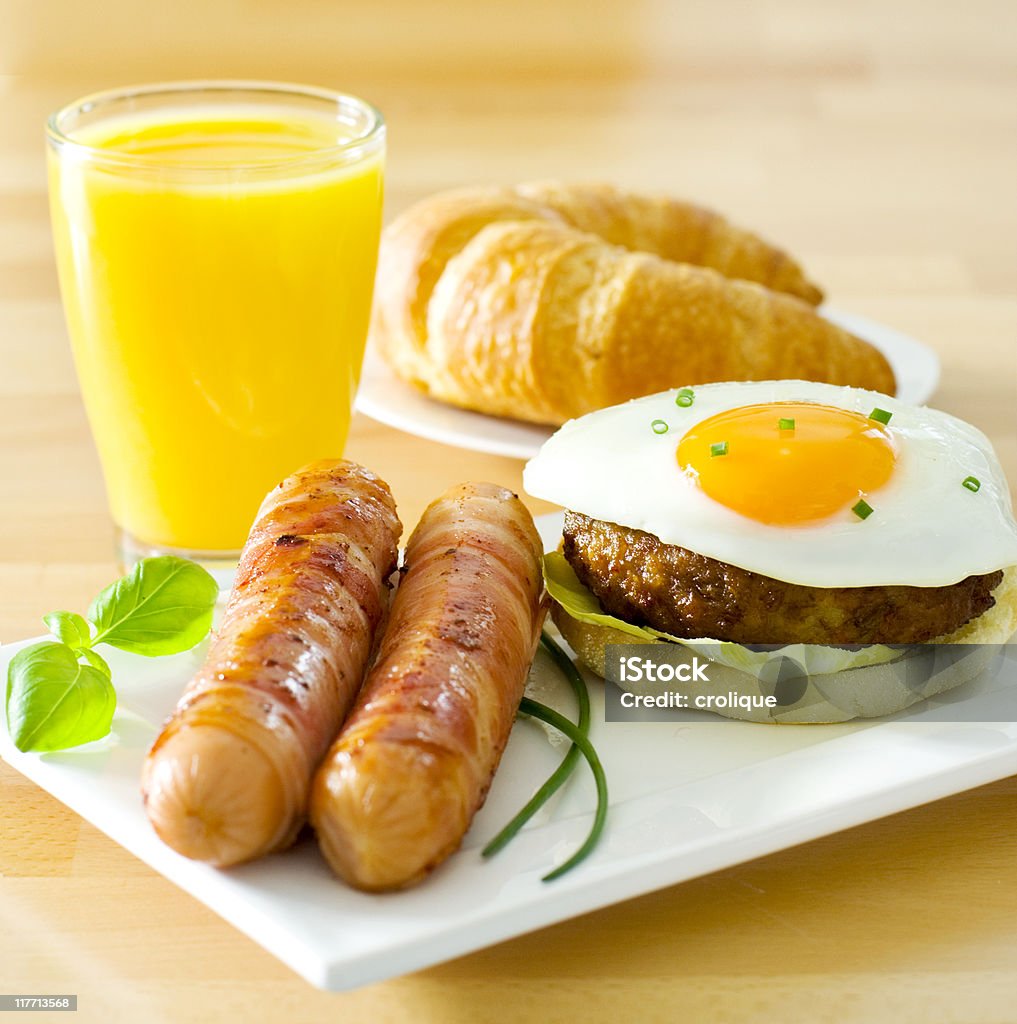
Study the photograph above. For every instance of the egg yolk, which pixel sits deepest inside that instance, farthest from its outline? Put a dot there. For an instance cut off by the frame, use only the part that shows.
(788, 463)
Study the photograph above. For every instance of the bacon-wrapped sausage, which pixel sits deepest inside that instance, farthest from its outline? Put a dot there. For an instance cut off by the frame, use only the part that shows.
(399, 787)
(228, 777)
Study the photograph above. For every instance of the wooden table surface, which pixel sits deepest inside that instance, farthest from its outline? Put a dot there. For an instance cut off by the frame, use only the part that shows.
(877, 140)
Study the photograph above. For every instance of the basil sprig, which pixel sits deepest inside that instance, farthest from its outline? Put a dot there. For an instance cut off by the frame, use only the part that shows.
(60, 694)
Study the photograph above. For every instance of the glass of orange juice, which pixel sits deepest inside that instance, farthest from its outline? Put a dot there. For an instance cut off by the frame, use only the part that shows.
(216, 244)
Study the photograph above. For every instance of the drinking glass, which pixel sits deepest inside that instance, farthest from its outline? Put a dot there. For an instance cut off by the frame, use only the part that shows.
(216, 244)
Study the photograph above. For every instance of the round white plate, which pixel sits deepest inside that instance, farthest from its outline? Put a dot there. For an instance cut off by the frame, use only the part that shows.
(384, 397)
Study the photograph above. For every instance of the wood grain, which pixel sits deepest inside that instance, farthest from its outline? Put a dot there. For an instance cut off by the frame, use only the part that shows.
(876, 140)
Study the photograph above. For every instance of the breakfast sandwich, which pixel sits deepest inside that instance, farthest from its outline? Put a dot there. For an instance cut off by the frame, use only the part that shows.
(780, 513)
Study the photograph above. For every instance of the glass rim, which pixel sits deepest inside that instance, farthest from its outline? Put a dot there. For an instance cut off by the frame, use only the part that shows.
(364, 141)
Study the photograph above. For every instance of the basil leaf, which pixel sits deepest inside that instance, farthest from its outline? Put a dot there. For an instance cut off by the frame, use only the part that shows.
(69, 628)
(97, 661)
(53, 702)
(162, 606)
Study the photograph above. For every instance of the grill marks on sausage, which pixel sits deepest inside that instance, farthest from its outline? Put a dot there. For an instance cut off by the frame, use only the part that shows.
(309, 594)
(462, 588)
(324, 591)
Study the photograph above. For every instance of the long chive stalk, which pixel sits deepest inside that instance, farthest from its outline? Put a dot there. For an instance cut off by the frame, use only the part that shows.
(560, 775)
(545, 714)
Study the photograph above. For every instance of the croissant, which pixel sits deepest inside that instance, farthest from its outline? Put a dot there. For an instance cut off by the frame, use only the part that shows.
(544, 302)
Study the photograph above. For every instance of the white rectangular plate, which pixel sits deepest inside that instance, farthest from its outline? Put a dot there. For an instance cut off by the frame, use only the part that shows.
(686, 798)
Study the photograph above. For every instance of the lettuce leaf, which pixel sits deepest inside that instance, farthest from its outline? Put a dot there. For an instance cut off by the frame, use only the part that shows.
(565, 589)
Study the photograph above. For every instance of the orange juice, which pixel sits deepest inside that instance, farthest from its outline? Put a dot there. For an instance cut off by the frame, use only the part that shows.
(216, 266)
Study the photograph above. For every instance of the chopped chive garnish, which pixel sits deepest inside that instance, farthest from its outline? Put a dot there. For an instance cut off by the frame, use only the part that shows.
(558, 778)
(545, 714)
(720, 448)
(972, 483)
(880, 416)
(659, 427)
(685, 397)
(863, 509)
(786, 424)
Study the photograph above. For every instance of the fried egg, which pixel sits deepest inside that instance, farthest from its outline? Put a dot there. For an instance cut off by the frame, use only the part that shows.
(807, 483)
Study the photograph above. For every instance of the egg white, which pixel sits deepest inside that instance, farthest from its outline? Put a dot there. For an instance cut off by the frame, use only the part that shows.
(927, 530)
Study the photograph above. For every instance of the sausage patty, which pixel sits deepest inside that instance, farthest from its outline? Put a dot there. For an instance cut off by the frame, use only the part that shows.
(640, 579)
